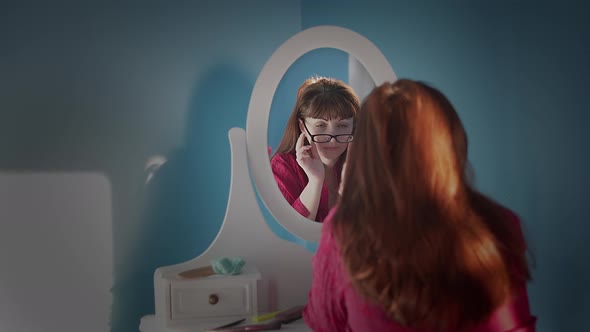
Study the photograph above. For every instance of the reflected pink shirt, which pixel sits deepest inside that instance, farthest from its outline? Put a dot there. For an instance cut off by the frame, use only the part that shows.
(292, 180)
(333, 304)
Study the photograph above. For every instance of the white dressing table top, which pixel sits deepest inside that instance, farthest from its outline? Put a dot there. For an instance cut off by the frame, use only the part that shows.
(151, 324)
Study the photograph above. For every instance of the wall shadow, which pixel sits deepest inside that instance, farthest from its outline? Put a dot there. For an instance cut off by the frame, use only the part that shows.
(184, 203)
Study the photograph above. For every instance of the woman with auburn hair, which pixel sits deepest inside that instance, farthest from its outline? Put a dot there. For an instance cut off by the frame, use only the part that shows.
(411, 245)
(308, 162)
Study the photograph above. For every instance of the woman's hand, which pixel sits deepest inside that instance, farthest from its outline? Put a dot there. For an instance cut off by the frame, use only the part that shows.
(309, 160)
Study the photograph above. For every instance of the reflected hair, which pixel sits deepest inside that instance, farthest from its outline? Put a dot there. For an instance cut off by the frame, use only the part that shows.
(318, 97)
(415, 236)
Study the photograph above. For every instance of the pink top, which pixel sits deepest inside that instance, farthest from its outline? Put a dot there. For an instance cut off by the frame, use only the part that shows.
(292, 180)
(333, 304)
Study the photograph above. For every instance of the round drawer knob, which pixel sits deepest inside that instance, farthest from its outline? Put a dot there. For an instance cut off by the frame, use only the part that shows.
(213, 299)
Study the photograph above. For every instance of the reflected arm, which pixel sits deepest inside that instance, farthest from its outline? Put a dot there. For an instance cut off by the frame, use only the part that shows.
(310, 198)
(302, 195)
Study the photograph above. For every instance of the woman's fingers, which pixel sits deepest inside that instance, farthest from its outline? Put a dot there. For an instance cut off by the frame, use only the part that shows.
(300, 141)
(303, 152)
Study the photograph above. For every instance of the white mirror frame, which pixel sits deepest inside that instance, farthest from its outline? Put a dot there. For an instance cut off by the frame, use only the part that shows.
(261, 100)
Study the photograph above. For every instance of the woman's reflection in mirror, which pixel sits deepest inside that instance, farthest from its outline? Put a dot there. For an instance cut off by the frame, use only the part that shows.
(307, 164)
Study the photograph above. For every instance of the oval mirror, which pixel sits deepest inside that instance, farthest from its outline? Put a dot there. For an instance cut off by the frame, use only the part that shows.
(323, 62)
(357, 46)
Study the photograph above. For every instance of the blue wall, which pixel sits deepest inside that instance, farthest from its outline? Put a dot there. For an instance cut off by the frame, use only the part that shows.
(517, 73)
(185, 204)
(103, 87)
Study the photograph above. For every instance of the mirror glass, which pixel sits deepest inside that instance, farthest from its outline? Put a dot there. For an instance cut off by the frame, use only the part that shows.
(365, 56)
(323, 62)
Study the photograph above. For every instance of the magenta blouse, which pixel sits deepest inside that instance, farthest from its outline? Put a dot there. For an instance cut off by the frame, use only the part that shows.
(333, 304)
(292, 180)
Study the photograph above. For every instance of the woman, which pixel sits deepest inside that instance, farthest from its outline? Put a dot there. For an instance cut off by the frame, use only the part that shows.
(308, 160)
(411, 246)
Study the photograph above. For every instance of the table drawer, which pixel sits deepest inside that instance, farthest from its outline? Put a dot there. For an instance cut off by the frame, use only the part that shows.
(212, 298)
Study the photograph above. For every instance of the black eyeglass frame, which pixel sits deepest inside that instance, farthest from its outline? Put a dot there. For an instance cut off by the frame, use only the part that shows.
(336, 137)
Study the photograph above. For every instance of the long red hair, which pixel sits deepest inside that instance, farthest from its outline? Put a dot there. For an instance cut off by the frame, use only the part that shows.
(416, 238)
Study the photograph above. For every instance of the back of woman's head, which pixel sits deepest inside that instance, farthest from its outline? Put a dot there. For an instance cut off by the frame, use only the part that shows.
(319, 97)
(415, 237)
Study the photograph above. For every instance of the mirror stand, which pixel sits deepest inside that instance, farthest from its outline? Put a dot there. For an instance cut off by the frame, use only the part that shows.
(284, 267)
(278, 273)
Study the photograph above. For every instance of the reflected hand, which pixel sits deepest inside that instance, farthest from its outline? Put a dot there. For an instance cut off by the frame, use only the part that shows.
(309, 159)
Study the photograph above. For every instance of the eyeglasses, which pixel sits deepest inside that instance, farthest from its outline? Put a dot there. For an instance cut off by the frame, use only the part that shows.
(325, 138)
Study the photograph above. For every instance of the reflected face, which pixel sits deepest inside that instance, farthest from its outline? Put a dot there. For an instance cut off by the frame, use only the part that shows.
(329, 148)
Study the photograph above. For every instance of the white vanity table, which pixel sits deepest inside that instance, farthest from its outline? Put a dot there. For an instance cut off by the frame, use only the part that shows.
(284, 267)
(277, 274)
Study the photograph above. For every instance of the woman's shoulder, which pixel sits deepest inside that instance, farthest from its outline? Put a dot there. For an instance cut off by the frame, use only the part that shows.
(511, 215)
(513, 219)
(284, 157)
(284, 163)
(330, 216)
